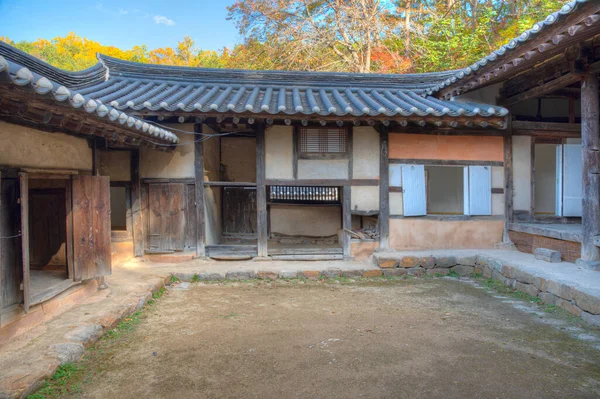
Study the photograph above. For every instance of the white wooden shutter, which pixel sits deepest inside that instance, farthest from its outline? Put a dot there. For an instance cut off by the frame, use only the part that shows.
(559, 180)
(395, 175)
(414, 197)
(572, 180)
(480, 190)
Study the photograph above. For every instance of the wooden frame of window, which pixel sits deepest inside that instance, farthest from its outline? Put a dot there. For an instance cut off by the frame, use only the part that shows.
(320, 148)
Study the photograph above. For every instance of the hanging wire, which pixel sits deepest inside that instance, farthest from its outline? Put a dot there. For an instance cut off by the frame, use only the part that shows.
(15, 236)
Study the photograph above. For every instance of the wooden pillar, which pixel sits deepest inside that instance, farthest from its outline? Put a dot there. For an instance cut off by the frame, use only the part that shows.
(261, 192)
(95, 171)
(508, 181)
(199, 188)
(590, 147)
(346, 220)
(384, 190)
(136, 205)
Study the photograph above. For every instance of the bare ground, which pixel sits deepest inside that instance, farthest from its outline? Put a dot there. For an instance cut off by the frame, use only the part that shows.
(433, 338)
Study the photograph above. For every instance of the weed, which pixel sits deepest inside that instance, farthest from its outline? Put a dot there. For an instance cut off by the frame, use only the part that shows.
(196, 278)
(174, 279)
(453, 274)
(58, 384)
(158, 293)
(476, 275)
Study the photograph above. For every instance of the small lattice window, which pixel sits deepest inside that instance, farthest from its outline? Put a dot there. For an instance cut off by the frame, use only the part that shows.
(304, 194)
(324, 140)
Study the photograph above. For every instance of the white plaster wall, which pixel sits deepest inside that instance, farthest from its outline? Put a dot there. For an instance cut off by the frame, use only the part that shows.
(115, 164)
(497, 204)
(279, 155)
(365, 153)
(176, 164)
(522, 173)
(396, 204)
(26, 147)
(318, 221)
(486, 95)
(497, 176)
(365, 198)
(212, 214)
(322, 169)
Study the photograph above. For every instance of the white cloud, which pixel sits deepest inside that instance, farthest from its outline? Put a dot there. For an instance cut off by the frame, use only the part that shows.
(161, 19)
(123, 12)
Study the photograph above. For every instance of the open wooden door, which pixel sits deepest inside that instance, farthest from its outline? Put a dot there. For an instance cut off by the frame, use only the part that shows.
(24, 201)
(91, 226)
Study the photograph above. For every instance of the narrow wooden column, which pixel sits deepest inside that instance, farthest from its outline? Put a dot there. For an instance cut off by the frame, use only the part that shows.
(95, 171)
(136, 205)
(199, 188)
(384, 190)
(508, 181)
(346, 221)
(261, 192)
(590, 147)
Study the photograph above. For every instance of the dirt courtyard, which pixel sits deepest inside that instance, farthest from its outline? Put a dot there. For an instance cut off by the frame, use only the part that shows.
(431, 338)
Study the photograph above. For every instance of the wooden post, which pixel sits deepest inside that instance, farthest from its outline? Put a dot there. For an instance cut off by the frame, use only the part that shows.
(261, 192)
(24, 197)
(384, 191)
(95, 171)
(508, 181)
(136, 205)
(590, 147)
(346, 221)
(199, 181)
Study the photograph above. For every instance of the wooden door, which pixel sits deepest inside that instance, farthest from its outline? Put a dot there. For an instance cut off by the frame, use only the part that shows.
(91, 226)
(239, 211)
(166, 217)
(572, 180)
(414, 197)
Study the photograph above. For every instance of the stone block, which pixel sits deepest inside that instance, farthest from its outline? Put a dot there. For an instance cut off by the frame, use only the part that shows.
(353, 273)
(547, 255)
(467, 260)
(331, 273)
(522, 276)
(483, 260)
(374, 273)
(394, 272)
(529, 289)
(548, 298)
(288, 274)
(486, 272)
(386, 263)
(592, 319)
(68, 352)
(85, 334)
(240, 275)
(463, 270)
(495, 264)
(445, 261)
(441, 271)
(266, 275)
(587, 302)
(409, 261)
(540, 283)
(507, 271)
(428, 262)
(310, 274)
(415, 271)
(559, 289)
(568, 306)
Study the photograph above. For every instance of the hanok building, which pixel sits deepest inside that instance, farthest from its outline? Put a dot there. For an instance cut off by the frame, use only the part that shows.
(127, 159)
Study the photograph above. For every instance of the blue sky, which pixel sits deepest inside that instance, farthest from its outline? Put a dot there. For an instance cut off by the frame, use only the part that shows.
(121, 23)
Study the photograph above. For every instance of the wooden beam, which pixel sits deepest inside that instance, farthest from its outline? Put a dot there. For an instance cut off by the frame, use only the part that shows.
(542, 89)
(444, 162)
(548, 129)
(261, 193)
(384, 190)
(136, 205)
(508, 182)
(346, 221)
(199, 189)
(590, 139)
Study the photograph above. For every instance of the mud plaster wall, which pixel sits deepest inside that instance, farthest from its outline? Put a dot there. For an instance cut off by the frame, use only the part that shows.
(427, 146)
(238, 159)
(487, 95)
(364, 198)
(322, 169)
(422, 234)
(212, 195)
(365, 153)
(522, 173)
(115, 164)
(279, 154)
(26, 147)
(176, 164)
(318, 221)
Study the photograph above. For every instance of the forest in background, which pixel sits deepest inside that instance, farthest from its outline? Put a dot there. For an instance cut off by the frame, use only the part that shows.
(372, 36)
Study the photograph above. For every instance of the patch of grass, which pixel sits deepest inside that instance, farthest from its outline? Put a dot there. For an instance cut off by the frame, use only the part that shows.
(196, 278)
(453, 274)
(174, 279)
(476, 275)
(60, 383)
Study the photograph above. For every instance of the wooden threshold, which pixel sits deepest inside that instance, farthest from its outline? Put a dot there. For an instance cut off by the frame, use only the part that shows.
(52, 291)
(306, 251)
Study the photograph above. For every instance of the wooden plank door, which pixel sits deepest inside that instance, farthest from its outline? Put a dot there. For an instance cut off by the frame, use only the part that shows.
(24, 200)
(177, 216)
(239, 211)
(166, 217)
(91, 226)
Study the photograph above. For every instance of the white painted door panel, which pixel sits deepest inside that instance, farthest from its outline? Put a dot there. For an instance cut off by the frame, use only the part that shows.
(480, 190)
(413, 189)
(572, 180)
(559, 180)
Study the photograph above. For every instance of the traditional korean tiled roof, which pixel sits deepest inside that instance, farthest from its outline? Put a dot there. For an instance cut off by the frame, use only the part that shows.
(511, 49)
(13, 73)
(136, 87)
